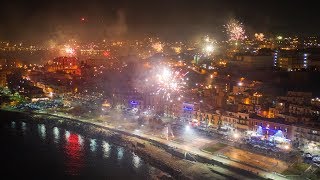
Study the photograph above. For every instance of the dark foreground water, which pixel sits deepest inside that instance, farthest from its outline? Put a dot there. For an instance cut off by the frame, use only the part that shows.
(34, 151)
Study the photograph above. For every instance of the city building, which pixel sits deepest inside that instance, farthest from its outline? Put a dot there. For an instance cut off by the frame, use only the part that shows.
(66, 64)
(290, 60)
(295, 107)
(188, 111)
(246, 107)
(314, 58)
(315, 102)
(268, 127)
(207, 119)
(235, 121)
(296, 97)
(307, 137)
(252, 61)
(3, 77)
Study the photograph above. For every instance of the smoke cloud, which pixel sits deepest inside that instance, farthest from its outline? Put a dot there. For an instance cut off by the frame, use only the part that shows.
(118, 28)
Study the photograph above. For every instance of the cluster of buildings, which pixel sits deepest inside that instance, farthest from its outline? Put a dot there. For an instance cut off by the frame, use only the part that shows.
(283, 54)
(239, 107)
(222, 102)
(281, 59)
(295, 116)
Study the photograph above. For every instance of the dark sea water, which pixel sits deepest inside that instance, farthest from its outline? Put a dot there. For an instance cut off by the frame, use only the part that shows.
(35, 151)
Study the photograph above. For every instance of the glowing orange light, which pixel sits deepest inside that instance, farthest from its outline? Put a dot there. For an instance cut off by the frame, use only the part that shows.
(106, 53)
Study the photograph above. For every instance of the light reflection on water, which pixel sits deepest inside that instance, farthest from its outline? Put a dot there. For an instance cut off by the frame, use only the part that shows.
(13, 124)
(80, 140)
(67, 134)
(106, 149)
(136, 161)
(120, 152)
(74, 160)
(23, 127)
(78, 155)
(42, 131)
(93, 145)
(56, 134)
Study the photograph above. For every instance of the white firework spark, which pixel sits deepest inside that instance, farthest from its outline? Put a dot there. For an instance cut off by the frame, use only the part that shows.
(235, 30)
(166, 82)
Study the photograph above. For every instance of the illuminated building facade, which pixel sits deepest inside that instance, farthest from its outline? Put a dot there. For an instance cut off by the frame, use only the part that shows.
(188, 110)
(253, 61)
(66, 64)
(268, 127)
(306, 136)
(209, 118)
(235, 121)
(290, 60)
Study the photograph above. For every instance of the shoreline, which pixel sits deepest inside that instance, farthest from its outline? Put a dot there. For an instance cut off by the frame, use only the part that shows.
(90, 130)
(157, 154)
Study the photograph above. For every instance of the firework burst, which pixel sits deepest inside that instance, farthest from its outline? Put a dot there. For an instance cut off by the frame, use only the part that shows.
(166, 82)
(235, 30)
(158, 47)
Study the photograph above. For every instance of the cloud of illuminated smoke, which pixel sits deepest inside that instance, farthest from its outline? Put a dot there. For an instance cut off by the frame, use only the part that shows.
(119, 27)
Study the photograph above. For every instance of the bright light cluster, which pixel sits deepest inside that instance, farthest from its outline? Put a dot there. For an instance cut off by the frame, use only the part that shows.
(235, 30)
(209, 49)
(69, 50)
(208, 46)
(157, 47)
(177, 50)
(259, 36)
(166, 82)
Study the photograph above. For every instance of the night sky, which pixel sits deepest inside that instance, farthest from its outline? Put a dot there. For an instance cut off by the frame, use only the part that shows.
(169, 19)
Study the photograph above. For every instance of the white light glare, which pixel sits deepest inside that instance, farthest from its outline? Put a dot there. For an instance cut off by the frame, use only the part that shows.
(209, 48)
(187, 128)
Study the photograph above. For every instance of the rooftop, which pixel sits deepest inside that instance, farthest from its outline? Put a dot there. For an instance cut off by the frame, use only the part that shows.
(275, 120)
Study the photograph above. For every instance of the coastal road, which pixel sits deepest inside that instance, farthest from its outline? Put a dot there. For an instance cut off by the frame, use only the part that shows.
(195, 150)
(188, 148)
